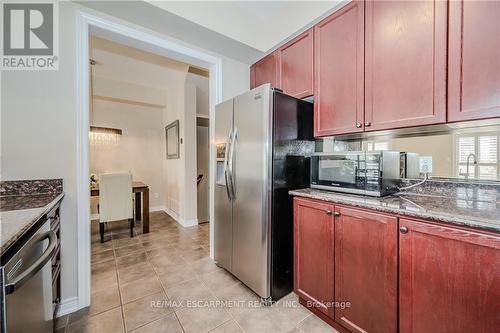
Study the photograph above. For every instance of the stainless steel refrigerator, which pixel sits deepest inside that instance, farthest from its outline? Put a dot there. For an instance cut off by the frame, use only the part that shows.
(263, 141)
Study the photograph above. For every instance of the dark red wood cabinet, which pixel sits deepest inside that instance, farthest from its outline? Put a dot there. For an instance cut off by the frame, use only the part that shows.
(265, 71)
(313, 257)
(296, 66)
(449, 279)
(366, 271)
(474, 60)
(339, 72)
(405, 63)
(381, 65)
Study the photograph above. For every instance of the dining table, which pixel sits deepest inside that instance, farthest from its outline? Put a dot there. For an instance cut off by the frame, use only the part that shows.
(138, 188)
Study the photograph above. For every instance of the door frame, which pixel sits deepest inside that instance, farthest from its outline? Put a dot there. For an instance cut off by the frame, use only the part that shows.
(163, 44)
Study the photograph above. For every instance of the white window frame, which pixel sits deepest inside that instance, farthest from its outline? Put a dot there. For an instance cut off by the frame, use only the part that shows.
(476, 136)
(373, 142)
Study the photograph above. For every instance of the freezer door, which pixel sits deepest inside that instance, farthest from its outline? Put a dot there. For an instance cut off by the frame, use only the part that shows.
(251, 173)
(223, 229)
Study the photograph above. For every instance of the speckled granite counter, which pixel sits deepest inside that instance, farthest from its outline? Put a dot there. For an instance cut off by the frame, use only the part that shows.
(472, 207)
(19, 210)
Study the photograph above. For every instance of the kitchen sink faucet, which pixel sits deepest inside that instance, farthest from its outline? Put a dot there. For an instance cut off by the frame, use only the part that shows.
(466, 174)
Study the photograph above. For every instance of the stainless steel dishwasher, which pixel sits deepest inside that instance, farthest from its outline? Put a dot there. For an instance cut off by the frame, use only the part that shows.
(28, 284)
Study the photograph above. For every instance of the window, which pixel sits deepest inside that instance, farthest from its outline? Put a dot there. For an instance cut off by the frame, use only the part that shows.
(485, 148)
(381, 145)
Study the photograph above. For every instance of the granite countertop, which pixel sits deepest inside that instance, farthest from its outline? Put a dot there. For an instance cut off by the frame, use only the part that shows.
(476, 209)
(18, 213)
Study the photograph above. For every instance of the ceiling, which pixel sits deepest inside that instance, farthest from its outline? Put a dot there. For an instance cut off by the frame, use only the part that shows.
(126, 64)
(258, 24)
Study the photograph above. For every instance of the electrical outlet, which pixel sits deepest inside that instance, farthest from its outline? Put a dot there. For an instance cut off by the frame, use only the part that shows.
(426, 164)
(156, 195)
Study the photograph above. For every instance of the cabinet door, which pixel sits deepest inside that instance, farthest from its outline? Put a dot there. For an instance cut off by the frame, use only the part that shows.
(296, 66)
(405, 63)
(339, 72)
(449, 279)
(474, 60)
(265, 71)
(313, 257)
(366, 270)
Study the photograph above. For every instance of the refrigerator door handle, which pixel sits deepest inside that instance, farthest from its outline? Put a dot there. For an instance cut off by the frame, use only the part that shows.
(230, 163)
(226, 165)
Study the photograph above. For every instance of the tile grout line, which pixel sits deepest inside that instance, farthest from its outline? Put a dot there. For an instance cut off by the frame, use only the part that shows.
(164, 290)
(118, 283)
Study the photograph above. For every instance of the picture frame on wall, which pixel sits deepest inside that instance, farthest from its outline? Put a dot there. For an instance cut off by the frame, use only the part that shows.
(172, 140)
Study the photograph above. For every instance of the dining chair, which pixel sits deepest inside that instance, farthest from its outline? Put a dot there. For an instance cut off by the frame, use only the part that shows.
(115, 200)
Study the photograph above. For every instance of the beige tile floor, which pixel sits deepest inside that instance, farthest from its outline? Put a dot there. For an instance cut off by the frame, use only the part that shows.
(165, 281)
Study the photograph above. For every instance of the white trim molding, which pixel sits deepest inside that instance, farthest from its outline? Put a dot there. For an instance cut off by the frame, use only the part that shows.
(157, 208)
(172, 48)
(67, 306)
(180, 220)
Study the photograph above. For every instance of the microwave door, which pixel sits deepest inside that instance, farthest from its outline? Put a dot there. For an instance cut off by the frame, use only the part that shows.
(337, 172)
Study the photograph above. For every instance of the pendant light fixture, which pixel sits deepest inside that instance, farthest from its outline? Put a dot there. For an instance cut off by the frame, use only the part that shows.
(100, 135)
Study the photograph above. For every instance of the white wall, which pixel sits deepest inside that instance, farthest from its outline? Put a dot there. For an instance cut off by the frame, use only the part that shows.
(140, 150)
(39, 135)
(202, 144)
(174, 168)
(202, 160)
(188, 148)
(38, 129)
(202, 92)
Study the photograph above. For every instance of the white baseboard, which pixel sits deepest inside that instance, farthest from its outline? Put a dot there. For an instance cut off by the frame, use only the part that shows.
(67, 306)
(157, 209)
(189, 223)
(178, 219)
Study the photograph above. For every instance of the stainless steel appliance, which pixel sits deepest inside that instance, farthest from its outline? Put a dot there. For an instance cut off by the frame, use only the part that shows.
(263, 140)
(409, 166)
(374, 173)
(28, 284)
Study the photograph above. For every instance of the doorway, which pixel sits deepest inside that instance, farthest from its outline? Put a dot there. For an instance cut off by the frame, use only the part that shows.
(149, 41)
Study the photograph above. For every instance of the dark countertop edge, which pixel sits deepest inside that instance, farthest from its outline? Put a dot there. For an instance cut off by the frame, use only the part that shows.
(9, 244)
(456, 220)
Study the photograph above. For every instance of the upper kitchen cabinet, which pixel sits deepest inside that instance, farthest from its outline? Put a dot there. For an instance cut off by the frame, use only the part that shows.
(474, 60)
(405, 63)
(265, 71)
(339, 71)
(449, 279)
(296, 66)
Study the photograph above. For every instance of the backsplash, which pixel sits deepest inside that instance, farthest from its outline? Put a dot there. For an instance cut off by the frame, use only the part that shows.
(30, 187)
(447, 150)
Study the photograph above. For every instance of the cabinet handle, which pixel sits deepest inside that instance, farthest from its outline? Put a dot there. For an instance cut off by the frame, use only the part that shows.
(328, 212)
(358, 125)
(368, 124)
(403, 230)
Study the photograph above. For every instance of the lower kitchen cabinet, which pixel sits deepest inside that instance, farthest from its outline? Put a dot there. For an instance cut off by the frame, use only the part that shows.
(449, 279)
(313, 259)
(366, 272)
(392, 273)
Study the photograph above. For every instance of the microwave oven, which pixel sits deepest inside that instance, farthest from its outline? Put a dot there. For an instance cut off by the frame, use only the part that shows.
(373, 173)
